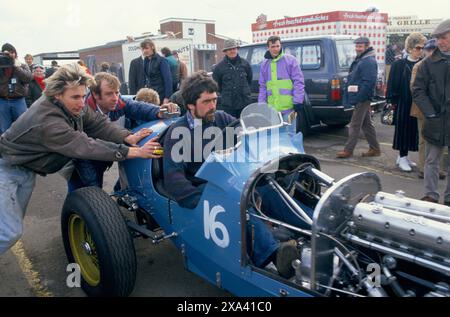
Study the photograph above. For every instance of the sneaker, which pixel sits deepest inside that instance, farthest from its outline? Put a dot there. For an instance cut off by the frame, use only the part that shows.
(371, 153)
(286, 254)
(404, 165)
(429, 199)
(343, 154)
(411, 163)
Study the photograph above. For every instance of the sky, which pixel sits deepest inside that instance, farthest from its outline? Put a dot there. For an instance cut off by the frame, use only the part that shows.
(49, 26)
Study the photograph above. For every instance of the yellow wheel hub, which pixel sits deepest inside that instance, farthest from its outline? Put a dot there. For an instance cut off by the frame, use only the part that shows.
(83, 250)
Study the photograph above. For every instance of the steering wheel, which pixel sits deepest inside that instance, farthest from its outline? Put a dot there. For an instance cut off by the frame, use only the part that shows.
(288, 179)
(257, 120)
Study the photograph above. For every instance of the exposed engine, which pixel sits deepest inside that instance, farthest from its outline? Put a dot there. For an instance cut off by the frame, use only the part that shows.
(362, 241)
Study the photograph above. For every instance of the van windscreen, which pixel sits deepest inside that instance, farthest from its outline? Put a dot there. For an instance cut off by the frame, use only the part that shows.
(346, 53)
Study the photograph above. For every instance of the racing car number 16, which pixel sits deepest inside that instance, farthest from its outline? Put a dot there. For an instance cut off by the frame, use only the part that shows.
(211, 225)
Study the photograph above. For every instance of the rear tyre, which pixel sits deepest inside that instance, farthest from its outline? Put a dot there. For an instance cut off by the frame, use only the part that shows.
(97, 238)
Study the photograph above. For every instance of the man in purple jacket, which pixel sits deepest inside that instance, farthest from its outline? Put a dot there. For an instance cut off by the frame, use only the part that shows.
(286, 92)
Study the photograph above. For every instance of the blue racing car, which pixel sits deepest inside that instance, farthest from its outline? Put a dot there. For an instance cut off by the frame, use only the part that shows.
(351, 238)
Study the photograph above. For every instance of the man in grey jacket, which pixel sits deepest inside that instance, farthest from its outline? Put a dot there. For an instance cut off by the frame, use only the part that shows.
(43, 140)
(431, 93)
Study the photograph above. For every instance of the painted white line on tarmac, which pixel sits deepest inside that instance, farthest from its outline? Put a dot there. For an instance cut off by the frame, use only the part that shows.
(364, 167)
(343, 137)
(33, 277)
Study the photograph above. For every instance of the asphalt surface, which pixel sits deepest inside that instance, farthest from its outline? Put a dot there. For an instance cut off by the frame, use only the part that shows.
(36, 266)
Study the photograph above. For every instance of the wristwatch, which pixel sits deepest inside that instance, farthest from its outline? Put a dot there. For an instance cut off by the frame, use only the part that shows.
(431, 116)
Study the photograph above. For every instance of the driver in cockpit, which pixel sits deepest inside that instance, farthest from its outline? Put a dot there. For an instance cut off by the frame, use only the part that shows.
(200, 95)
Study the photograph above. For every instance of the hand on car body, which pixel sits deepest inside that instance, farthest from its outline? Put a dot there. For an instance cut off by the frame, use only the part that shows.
(133, 139)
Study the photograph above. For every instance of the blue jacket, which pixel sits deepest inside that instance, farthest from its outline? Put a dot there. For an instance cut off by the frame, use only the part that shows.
(179, 177)
(131, 109)
(363, 73)
(90, 172)
(158, 78)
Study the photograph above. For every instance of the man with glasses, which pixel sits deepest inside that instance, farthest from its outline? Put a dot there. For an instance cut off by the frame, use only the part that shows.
(431, 93)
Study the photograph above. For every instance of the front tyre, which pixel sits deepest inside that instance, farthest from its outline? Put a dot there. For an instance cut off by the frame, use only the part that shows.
(97, 238)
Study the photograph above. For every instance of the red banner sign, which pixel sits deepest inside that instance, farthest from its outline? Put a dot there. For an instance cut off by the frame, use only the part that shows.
(330, 17)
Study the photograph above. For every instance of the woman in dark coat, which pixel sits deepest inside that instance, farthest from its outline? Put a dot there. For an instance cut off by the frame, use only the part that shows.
(406, 137)
(36, 86)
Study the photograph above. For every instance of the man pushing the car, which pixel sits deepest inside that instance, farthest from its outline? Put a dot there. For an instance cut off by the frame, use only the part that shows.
(104, 98)
(45, 138)
(200, 95)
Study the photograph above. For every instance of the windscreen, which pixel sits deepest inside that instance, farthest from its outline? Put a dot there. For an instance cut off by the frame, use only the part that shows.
(258, 116)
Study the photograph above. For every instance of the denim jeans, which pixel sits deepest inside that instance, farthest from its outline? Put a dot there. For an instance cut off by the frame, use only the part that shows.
(10, 111)
(87, 173)
(16, 187)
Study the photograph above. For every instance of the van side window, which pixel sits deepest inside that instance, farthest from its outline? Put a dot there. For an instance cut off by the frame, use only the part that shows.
(309, 56)
(256, 60)
(293, 50)
(258, 55)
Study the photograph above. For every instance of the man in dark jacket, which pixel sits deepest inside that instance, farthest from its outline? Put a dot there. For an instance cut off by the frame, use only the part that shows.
(234, 77)
(431, 93)
(200, 95)
(45, 139)
(150, 71)
(179, 177)
(105, 99)
(362, 79)
(14, 80)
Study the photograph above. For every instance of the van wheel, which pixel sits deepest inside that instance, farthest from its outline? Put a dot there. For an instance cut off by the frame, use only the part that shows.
(96, 238)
